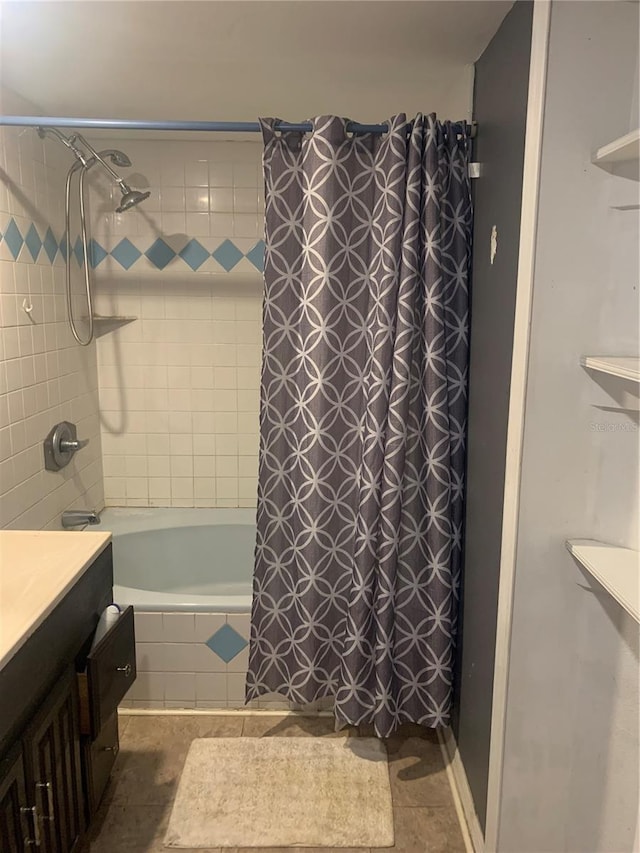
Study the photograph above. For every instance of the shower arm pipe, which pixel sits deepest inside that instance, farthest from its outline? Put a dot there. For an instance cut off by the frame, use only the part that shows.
(116, 177)
(210, 126)
(66, 141)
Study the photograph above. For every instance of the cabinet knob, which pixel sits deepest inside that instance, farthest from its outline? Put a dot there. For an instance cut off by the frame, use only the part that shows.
(126, 669)
(114, 749)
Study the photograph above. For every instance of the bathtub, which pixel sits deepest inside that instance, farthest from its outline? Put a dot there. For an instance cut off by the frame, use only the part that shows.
(188, 575)
(196, 560)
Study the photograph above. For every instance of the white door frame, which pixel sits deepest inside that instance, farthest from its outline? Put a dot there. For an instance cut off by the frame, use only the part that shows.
(517, 401)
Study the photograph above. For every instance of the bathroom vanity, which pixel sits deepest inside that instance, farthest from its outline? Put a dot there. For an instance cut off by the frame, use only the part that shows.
(59, 692)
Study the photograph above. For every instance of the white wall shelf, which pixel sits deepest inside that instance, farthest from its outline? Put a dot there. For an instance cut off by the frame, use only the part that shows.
(622, 150)
(103, 325)
(616, 569)
(626, 367)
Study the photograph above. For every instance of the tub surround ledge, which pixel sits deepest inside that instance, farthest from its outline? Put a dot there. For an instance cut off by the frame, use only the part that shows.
(37, 570)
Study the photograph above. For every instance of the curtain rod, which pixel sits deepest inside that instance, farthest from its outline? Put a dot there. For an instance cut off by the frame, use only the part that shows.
(214, 126)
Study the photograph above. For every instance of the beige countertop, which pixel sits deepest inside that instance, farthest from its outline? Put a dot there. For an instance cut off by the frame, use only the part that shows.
(37, 569)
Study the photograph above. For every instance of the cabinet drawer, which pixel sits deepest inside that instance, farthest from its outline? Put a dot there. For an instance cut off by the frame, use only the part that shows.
(109, 673)
(99, 758)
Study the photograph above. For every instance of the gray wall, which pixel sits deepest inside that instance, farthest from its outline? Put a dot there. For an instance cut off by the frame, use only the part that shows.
(571, 746)
(500, 106)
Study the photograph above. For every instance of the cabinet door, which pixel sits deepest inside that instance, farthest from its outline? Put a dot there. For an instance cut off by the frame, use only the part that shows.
(54, 776)
(110, 671)
(14, 824)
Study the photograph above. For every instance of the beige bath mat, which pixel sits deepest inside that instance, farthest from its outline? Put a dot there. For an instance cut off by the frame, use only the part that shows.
(283, 792)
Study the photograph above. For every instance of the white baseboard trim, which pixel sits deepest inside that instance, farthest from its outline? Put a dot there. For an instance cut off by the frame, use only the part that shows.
(471, 830)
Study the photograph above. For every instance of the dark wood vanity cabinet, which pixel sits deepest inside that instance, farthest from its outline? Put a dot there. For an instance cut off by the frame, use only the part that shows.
(51, 747)
(14, 808)
(59, 733)
(41, 791)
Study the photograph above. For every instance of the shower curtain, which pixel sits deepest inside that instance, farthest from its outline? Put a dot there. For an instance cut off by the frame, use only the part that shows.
(362, 421)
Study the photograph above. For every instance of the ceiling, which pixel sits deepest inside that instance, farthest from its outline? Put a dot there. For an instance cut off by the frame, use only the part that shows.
(235, 60)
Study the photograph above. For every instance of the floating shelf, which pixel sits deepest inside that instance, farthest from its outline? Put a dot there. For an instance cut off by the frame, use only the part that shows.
(616, 569)
(103, 325)
(622, 150)
(626, 367)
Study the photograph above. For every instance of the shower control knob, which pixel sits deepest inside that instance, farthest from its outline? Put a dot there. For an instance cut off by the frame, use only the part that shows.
(60, 445)
(71, 446)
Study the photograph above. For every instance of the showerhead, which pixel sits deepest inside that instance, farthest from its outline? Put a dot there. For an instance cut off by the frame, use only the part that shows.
(130, 198)
(118, 158)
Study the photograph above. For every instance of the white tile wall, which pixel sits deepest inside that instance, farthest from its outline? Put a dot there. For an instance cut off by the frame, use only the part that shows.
(45, 377)
(179, 387)
(177, 670)
(207, 190)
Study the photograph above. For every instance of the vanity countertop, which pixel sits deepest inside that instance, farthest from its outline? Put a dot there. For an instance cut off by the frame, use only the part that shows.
(37, 569)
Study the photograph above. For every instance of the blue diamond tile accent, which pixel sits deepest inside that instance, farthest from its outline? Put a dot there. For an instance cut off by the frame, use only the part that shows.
(194, 254)
(228, 255)
(256, 255)
(63, 246)
(13, 238)
(33, 241)
(226, 643)
(160, 254)
(78, 251)
(50, 245)
(96, 253)
(126, 253)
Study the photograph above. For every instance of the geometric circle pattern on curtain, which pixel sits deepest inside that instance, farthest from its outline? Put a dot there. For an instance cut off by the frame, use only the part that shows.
(362, 419)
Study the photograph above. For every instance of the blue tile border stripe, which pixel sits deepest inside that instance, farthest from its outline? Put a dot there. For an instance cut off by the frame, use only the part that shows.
(41, 243)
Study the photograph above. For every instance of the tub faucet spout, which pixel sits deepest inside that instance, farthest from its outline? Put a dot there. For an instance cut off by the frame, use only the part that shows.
(79, 518)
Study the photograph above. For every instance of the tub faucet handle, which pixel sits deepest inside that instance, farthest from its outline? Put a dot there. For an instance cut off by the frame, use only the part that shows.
(79, 518)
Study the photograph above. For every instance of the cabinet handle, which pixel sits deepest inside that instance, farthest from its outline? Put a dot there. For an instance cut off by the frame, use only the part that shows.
(126, 669)
(50, 808)
(33, 811)
(114, 749)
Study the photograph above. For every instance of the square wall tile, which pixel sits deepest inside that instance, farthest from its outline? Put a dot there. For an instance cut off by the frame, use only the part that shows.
(239, 663)
(236, 683)
(180, 657)
(211, 687)
(178, 628)
(147, 686)
(148, 627)
(180, 686)
(197, 173)
(240, 622)
(151, 657)
(204, 660)
(206, 624)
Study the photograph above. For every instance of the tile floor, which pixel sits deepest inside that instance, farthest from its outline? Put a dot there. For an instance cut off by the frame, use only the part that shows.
(136, 808)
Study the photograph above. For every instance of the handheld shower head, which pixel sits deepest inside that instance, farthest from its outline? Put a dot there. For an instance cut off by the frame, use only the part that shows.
(130, 198)
(118, 158)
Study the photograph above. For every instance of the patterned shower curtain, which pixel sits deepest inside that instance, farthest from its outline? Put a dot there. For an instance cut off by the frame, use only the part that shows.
(363, 418)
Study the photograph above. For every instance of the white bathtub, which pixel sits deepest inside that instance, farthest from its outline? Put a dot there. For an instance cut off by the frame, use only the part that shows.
(194, 560)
